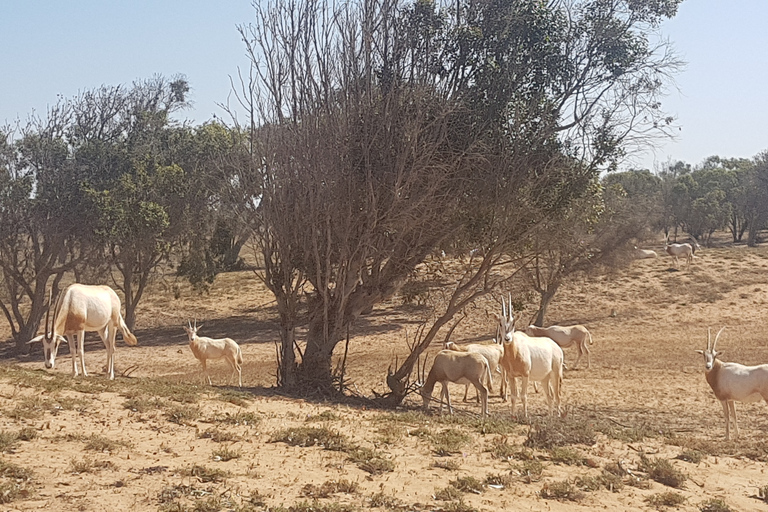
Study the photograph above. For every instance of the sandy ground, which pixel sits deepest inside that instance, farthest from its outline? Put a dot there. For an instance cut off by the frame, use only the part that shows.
(646, 321)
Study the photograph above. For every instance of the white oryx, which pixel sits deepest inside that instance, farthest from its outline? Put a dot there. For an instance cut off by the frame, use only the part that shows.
(642, 254)
(208, 348)
(566, 337)
(492, 353)
(79, 309)
(678, 250)
(459, 367)
(733, 381)
(530, 358)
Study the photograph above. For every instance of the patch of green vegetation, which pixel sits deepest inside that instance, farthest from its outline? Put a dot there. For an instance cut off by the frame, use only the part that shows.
(182, 414)
(16, 482)
(605, 480)
(714, 505)
(449, 493)
(497, 479)
(103, 444)
(316, 506)
(245, 418)
(381, 500)
(313, 436)
(567, 456)
(456, 506)
(468, 484)
(390, 433)
(225, 454)
(205, 474)
(218, 436)
(371, 461)
(88, 465)
(665, 499)
(234, 397)
(662, 471)
(329, 488)
(529, 470)
(563, 490)
(693, 456)
(556, 432)
(447, 464)
(323, 416)
(449, 441)
(142, 404)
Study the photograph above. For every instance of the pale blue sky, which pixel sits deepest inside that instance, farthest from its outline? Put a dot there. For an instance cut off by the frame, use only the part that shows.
(55, 47)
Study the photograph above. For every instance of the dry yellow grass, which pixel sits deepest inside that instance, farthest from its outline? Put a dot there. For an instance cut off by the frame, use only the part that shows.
(166, 433)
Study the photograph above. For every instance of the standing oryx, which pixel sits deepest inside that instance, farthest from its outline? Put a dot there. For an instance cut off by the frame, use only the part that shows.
(79, 309)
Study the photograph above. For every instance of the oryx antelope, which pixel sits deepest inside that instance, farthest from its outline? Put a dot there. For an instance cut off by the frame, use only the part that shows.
(733, 381)
(641, 254)
(459, 367)
(566, 337)
(208, 348)
(492, 353)
(678, 250)
(79, 309)
(530, 358)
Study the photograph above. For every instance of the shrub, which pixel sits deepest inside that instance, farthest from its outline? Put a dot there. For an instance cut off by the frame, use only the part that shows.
(666, 499)
(662, 471)
(313, 436)
(714, 505)
(560, 432)
(563, 490)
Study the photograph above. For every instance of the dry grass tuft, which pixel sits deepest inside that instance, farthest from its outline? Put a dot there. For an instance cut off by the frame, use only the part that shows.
(665, 499)
(313, 436)
(662, 471)
(329, 488)
(449, 441)
(563, 490)
(557, 432)
(714, 505)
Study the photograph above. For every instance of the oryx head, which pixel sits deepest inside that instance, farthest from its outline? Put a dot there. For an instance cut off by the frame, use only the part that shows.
(192, 330)
(50, 340)
(710, 354)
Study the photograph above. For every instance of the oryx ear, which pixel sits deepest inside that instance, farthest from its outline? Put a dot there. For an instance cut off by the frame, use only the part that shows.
(700, 352)
(36, 339)
(198, 327)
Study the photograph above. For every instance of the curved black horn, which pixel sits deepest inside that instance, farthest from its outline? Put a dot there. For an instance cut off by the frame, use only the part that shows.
(47, 315)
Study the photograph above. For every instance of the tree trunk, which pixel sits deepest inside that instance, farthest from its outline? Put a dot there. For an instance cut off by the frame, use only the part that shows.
(546, 299)
(287, 376)
(315, 369)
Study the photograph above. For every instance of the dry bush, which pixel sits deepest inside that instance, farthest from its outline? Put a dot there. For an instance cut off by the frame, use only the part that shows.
(563, 490)
(567, 456)
(245, 418)
(323, 416)
(98, 443)
(205, 474)
(714, 505)
(530, 470)
(329, 488)
(449, 441)
(225, 454)
(313, 436)
(449, 464)
(497, 479)
(449, 493)
(665, 499)
(371, 461)
(218, 436)
(468, 484)
(390, 434)
(662, 471)
(15, 482)
(556, 432)
(316, 506)
(88, 465)
(693, 456)
(182, 415)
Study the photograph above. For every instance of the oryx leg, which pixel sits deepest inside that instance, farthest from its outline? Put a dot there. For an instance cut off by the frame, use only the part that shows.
(72, 342)
(108, 337)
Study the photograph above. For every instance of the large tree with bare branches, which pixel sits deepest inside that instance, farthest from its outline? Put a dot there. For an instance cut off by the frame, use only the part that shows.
(383, 131)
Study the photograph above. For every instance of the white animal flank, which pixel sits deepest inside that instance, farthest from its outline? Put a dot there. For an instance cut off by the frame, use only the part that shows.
(459, 367)
(531, 358)
(733, 382)
(492, 353)
(566, 337)
(208, 348)
(79, 309)
(641, 254)
(678, 250)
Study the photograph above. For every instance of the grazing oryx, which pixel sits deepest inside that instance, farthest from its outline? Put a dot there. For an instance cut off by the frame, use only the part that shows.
(79, 309)
(208, 348)
(492, 353)
(733, 381)
(531, 358)
(566, 337)
(641, 254)
(459, 367)
(677, 250)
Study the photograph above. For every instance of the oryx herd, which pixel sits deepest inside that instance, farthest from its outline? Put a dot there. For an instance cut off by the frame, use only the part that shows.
(537, 355)
(534, 355)
(85, 308)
